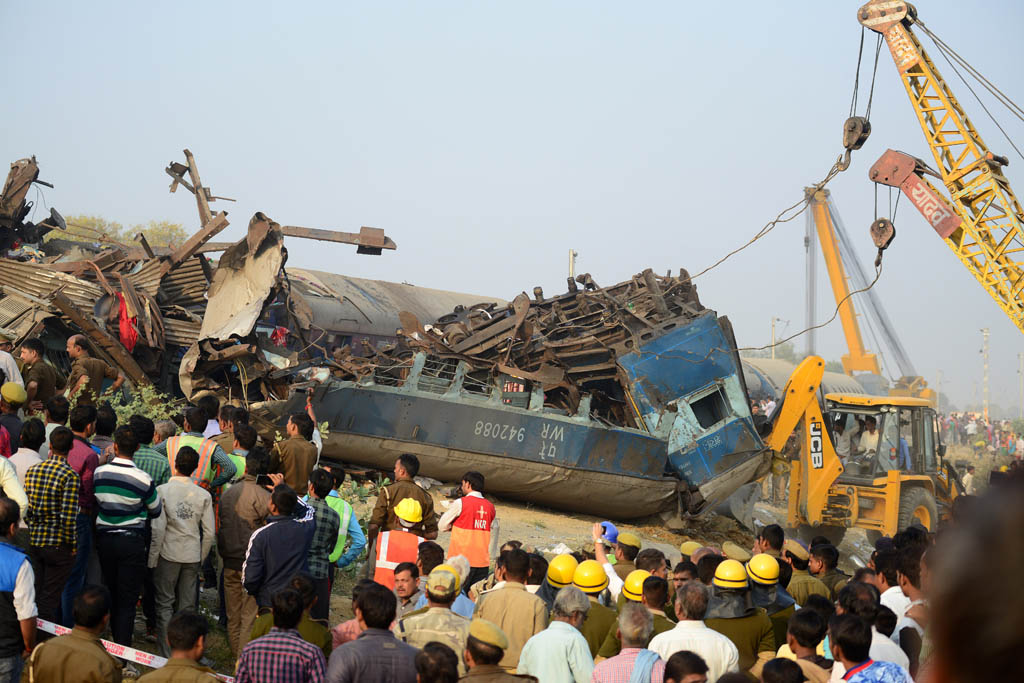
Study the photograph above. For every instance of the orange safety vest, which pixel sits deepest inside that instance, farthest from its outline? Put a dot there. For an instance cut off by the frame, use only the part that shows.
(394, 548)
(203, 474)
(471, 531)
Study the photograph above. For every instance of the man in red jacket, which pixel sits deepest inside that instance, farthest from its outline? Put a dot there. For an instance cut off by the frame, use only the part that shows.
(474, 526)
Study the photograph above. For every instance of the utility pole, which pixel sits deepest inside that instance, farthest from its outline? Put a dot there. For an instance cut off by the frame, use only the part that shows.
(1020, 376)
(984, 372)
(938, 394)
(572, 262)
(776, 319)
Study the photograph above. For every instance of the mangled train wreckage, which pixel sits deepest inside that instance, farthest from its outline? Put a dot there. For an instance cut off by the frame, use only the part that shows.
(622, 401)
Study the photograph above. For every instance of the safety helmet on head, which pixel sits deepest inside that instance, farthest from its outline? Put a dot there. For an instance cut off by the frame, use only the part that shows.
(730, 574)
(763, 569)
(589, 577)
(633, 588)
(409, 511)
(561, 570)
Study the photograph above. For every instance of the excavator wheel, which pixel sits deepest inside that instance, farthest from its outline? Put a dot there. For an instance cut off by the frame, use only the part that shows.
(917, 505)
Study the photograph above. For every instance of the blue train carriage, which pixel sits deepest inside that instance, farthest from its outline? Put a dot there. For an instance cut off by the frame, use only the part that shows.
(526, 450)
(688, 385)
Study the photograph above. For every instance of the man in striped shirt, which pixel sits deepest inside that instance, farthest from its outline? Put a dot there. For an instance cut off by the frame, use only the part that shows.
(125, 498)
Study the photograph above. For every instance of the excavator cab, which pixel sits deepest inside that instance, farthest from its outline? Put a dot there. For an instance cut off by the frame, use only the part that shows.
(905, 437)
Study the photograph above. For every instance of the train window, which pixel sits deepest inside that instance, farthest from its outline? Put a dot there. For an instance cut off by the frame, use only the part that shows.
(710, 409)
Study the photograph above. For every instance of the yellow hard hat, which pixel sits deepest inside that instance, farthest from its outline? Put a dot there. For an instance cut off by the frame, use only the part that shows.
(633, 588)
(561, 570)
(589, 577)
(409, 510)
(763, 569)
(688, 547)
(730, 574)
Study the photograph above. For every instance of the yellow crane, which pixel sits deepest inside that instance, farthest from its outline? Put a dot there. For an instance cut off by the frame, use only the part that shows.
(844, 269)
(981, 221)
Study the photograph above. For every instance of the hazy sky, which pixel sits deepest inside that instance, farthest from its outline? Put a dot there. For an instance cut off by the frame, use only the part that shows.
(488, 139)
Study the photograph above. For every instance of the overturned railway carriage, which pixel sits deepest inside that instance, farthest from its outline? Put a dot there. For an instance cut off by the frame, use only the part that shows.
(624, 401)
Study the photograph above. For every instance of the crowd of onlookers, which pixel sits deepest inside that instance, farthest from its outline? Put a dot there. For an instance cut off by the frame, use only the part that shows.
(103, 518)
(974, 431)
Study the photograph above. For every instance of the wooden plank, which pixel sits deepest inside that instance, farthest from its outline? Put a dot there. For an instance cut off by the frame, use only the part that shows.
(373, 238)
(187, 250)
(113, 347)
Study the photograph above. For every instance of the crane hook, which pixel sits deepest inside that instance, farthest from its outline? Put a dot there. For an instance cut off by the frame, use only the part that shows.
(882, 233)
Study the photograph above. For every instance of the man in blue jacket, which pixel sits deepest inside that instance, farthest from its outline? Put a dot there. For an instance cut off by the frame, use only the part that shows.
(278, 551)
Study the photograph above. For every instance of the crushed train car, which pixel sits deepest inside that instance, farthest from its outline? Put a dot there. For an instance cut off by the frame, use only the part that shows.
(622, 401)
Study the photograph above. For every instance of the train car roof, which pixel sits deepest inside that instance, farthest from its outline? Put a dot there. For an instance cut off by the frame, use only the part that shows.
(355, 305)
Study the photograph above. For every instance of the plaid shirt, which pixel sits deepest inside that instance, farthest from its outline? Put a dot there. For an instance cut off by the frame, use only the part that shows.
(281, 656)
(52, 490)
(153, 464)
(620, 668)
(326, 535)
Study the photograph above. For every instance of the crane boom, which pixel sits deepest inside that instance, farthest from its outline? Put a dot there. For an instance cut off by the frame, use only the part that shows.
(989, 238)
(873, 305)
(859, 359)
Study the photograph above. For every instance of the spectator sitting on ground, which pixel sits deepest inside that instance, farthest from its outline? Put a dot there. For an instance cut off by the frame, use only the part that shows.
(436, 663)
(311, 631)
(186, 633)
(375, 656)
(282, 654)
(687, 667)
(79, 656)
(349, 630)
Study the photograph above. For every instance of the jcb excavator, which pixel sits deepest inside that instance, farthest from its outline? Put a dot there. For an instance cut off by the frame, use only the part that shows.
(891, 473)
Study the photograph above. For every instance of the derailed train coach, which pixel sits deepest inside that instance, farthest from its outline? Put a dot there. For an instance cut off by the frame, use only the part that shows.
(622, 401)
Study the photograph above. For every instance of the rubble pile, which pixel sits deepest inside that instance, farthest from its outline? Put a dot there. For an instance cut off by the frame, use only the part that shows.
(569, 344)
(152, 311)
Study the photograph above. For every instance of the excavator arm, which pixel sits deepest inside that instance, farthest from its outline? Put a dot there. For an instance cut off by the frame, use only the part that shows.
(982, 223)
(818, 466)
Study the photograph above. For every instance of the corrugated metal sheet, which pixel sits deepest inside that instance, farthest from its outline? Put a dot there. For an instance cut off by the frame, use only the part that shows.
(41, 282)
(185, 285)
(147, 279)
(359, 306)
(180, 332)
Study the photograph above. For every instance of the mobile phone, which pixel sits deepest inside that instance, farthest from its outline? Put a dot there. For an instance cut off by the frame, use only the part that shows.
(264, 480)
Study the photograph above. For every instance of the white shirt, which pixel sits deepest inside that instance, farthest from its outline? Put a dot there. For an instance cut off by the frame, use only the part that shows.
(614, 582)
(907, 622)
(212, 429)
(894, 599)
(869, 441)
(10, 368)
(968, 482)
(176, 532)
(844, 444)
(452, 514)
(12, 488)
(717, 651)
(44, 450)
(558, 653)
(22, 460)
(882, 650)
(769, 409)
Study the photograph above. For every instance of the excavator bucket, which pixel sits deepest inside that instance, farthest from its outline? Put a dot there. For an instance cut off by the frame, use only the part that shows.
(740, 505)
